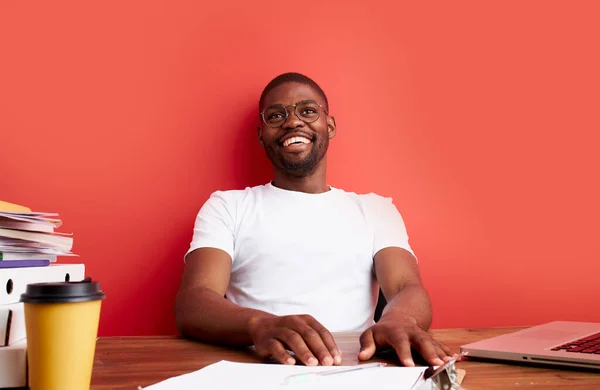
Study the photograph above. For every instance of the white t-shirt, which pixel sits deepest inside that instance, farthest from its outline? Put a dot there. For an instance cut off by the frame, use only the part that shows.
(299, 253)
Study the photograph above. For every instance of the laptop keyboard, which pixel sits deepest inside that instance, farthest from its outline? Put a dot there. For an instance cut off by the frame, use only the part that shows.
(590, 344)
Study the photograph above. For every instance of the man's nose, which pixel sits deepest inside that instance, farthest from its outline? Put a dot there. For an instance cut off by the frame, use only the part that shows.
(292, 121)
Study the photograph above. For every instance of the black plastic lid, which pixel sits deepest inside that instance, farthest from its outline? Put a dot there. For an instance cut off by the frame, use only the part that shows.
(61, 292)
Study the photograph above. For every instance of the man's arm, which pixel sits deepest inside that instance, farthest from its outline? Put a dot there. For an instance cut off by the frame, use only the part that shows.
(399, 279)
(203, 313)
(407, 316)
(201, 310)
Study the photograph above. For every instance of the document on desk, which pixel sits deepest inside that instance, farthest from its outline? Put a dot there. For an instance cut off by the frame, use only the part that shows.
(254, 376)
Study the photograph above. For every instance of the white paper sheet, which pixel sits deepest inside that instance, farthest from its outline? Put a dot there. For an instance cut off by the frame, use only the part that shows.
(254, 376)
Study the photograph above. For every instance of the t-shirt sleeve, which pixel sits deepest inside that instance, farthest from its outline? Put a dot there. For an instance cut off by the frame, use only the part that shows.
(214, 225)
(390, 230)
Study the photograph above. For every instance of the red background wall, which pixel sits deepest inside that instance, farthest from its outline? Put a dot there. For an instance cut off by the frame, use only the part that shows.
(480, 120)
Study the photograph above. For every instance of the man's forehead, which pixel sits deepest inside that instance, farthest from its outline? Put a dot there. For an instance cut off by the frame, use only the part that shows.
(291, 93)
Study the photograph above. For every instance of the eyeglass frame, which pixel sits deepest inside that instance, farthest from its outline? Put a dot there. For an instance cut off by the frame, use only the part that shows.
(287, 113)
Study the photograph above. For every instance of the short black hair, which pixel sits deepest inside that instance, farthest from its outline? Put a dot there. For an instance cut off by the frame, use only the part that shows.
(292, 77)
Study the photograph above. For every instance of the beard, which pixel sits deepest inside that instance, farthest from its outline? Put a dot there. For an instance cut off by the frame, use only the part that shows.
(293, 164)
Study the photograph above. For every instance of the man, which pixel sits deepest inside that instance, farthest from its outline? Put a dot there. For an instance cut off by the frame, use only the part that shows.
(280, 266)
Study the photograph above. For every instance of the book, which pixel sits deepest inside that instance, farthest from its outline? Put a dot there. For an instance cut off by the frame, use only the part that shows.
(43, 227)
(24, 263)
(61, 241)
(32, 248)
(13, 365)
(32, 217)
(12, 324)
(12, 256)
(12, 207)
(14, 281)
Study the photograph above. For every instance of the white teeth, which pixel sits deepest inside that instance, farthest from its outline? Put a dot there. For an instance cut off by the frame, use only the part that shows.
(296, 139)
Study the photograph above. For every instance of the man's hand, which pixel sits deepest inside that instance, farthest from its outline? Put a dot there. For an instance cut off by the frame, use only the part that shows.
(401, 332)
(302, 334)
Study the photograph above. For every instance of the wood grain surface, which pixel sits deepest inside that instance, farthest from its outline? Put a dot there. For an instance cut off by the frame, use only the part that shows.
(127, 362)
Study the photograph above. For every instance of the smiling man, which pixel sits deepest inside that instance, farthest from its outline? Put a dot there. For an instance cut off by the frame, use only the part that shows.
(282, 265)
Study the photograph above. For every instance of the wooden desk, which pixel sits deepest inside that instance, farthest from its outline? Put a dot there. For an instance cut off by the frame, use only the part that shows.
(128, 362)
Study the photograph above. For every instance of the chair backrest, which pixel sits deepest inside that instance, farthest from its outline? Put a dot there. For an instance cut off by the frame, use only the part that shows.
(381, 302)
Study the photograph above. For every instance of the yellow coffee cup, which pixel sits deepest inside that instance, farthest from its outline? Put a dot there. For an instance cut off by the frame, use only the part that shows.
(61, 321)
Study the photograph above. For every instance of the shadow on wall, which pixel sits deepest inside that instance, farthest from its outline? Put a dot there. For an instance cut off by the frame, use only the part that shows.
(241, 162)
(252, 165)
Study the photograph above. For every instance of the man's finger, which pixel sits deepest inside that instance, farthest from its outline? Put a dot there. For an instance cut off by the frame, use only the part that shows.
(445, 348)
(442, 354)
(296, 343)
(427, 348)
(276, 349)
(367, 345)
(328, 339)
(315, 343)
(402, 348)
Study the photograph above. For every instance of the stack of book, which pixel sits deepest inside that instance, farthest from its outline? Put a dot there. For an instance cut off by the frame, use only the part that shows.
(29, 249)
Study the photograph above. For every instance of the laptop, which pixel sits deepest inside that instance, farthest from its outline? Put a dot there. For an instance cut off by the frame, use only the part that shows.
(560, 343)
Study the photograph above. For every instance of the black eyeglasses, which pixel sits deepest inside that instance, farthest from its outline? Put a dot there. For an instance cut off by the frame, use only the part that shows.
(307, 111)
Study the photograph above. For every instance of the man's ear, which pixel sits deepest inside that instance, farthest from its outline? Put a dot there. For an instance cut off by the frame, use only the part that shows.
(331, 128)
(259, 133)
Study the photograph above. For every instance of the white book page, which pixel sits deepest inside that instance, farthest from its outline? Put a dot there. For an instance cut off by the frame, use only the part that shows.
(254, 376)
